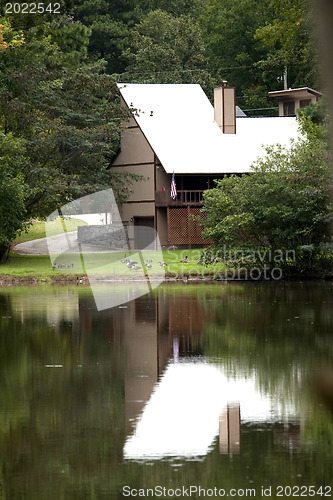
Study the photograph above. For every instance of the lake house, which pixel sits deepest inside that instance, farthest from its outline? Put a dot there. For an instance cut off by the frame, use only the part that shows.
(174, 129)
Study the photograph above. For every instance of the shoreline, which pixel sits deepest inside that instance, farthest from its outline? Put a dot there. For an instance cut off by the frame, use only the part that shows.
(71, 279)
(27, 269)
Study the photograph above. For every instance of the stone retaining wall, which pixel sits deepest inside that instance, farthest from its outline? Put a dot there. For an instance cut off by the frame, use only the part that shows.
(110, 236)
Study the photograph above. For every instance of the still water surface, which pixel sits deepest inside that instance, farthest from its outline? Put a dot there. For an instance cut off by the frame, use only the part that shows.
(194, 385)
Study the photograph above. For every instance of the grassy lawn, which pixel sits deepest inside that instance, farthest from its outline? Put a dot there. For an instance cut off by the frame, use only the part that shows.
(37, 229)
(27, 265)
(109, 263)
(100, 264)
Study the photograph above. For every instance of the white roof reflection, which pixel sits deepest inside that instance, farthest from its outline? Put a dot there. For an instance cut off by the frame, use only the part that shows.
(182, 415)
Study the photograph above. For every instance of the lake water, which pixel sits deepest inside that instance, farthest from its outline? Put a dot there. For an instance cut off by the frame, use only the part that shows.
(194, 390)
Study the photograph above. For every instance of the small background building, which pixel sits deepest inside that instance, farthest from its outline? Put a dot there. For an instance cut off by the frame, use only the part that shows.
(290, 101)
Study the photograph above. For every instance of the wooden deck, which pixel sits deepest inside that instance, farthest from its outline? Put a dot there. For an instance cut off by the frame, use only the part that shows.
(184, 198)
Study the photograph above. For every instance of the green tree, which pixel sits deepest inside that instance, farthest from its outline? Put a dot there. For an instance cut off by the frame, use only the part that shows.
(12, 189)
(317, 114)
(72, 37)
(168, 49)
(66, 115)
(113, 23)
(110, 22)
(252, 44)
(288, 40)
(69, 118)
(283, 203)
(174, 7)
(229, 29)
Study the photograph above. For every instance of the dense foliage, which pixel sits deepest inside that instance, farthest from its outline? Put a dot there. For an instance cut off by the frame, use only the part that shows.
(12, 189)
(59, 125)
(251, 44)
(282, 205)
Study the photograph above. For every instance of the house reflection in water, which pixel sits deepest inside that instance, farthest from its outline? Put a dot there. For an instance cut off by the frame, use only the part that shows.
(177, 402)
(155, 329)
(229, 429)
(139, 325)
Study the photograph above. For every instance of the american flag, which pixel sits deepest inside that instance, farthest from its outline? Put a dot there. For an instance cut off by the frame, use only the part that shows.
(173, 187)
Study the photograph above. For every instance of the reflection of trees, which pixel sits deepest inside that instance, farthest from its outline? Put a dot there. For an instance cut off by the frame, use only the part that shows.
(259, 463)
(184, 318)
(275, 331)
(14, 379)
(63, 429)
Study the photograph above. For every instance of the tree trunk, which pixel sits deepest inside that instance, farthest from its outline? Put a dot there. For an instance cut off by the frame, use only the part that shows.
(4, 252)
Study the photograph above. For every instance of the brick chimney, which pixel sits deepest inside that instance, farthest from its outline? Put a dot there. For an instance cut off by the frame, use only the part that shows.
(225, 108)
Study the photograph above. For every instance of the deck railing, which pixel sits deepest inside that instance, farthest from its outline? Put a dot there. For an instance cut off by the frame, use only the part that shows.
(184, 197)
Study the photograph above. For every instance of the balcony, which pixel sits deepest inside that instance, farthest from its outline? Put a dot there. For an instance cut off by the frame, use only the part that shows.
(192, 198)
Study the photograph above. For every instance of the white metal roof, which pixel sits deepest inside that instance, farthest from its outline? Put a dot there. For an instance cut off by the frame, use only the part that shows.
(185, 138)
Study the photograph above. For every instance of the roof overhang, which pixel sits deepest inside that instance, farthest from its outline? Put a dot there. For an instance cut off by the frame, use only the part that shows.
(291, 94)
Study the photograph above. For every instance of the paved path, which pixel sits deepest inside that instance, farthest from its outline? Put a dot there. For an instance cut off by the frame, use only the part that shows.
(57, 244)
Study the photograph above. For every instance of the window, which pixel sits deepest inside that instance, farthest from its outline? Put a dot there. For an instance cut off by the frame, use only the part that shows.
(304, 103)
(289, 108)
